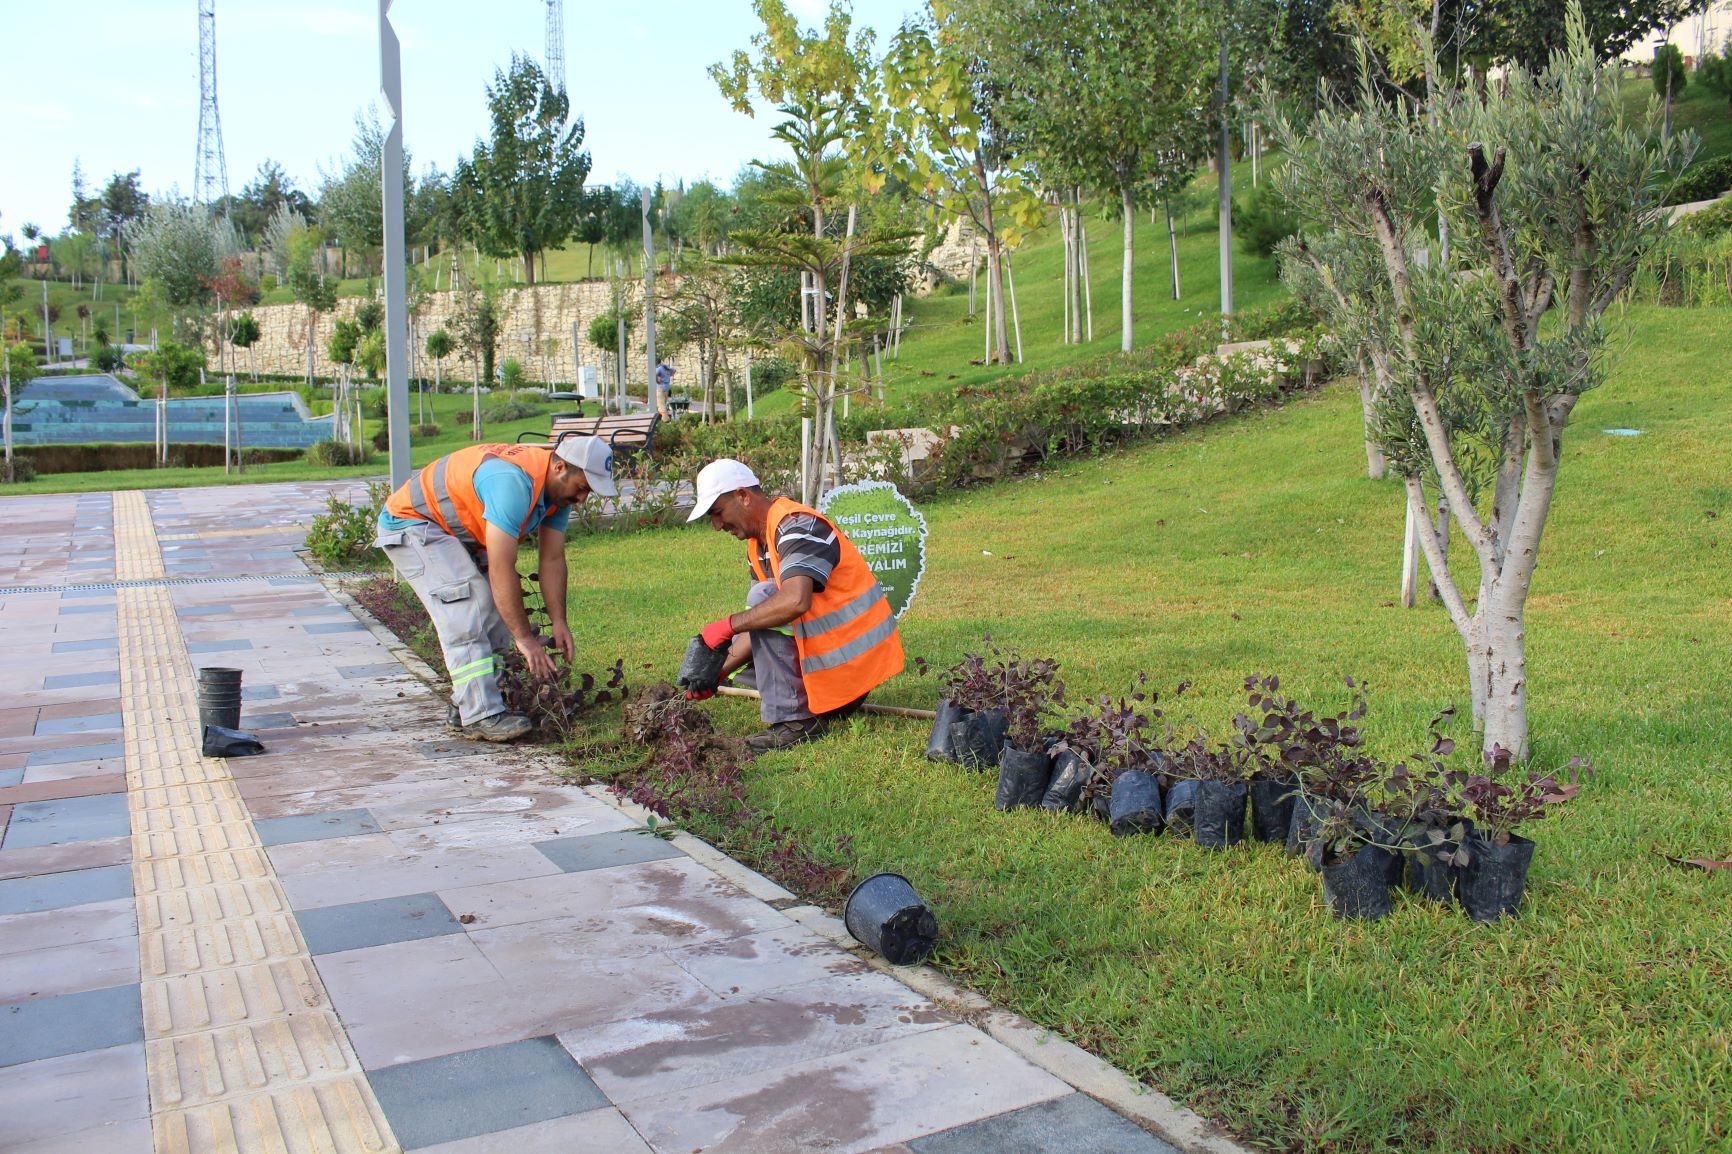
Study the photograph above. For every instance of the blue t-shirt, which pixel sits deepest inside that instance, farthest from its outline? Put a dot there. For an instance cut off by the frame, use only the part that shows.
(505, 491)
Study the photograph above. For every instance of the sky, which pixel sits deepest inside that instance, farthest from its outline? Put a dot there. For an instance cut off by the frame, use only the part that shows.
(114, 85)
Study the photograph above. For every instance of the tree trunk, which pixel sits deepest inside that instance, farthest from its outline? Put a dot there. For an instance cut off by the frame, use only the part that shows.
(1172, 246)
(1506, 704)
(1125, 289)
(1069, 267)
(1082, 233)
(1375, 466)
(1015, 316)
(528, 268)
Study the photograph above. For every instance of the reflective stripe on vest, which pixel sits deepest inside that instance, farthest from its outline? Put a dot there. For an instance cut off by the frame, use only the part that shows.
(811, 627)
(882, 631)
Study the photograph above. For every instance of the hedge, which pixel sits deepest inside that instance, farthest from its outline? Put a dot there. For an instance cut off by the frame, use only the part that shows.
(101, 458)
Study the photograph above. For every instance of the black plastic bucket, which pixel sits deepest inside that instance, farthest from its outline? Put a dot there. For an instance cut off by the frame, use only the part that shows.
(977, 738)
(1272, 808)
(885, 915)
(1495, 878)
(1359, 886)
(219, 698)
(938, 747)
(1182, 805)
(1022, 778)
(1070, 773)
(1220, 814)
(1136, 803)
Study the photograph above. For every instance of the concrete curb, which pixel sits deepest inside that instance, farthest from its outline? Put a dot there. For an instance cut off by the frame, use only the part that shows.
(1185, 1129)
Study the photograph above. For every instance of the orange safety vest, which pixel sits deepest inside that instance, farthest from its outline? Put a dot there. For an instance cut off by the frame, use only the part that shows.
(847, 639)
(444, 492)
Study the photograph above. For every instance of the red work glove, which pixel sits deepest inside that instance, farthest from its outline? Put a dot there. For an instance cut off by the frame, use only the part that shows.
(717, 633)
(700, 695)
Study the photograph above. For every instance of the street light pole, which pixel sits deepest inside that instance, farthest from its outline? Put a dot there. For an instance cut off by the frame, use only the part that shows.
(396, 304)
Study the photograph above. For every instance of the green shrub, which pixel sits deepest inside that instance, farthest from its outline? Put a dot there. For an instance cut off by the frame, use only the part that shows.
(1704, 180)
(428, 430)
(1261, 221)
(23, 469)
(108, 359)
(772, 373)
(334, 453)
(514, 407)
(511, 374)
(342, 536)
(174, 365)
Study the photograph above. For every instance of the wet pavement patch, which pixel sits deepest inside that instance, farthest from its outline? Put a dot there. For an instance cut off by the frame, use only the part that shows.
(482, 1092)
(601, 850)
(70, 1024)
(331, 929)
(315, 826)
(1073, 1122)
(79, 680)
(67, 819)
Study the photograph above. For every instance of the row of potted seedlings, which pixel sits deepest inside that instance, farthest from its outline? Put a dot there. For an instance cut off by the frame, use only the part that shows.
(1285, 774)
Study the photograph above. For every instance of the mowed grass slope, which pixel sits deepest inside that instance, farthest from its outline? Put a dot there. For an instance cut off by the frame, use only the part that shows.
(1600, 1020)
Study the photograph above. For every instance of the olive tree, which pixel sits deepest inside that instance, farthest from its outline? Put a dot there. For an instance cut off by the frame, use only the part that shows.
(1478, 360)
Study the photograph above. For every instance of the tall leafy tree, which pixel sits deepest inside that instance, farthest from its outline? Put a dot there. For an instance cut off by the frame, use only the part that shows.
(177, 247)
(270, 191)
(520, 193)
(350, 207)
(1553, 199)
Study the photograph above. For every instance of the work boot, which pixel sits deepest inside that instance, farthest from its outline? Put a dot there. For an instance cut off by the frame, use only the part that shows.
(500, 727)
(453, 719)
(784, 734)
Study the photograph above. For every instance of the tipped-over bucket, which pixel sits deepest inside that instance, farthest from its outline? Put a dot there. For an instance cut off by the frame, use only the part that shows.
(219, 697)
(887, 916)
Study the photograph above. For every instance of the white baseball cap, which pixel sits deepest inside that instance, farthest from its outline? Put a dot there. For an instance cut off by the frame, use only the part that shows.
(595, 458)
(718, 477)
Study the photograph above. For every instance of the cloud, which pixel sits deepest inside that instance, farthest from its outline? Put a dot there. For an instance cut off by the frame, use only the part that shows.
(809, 11)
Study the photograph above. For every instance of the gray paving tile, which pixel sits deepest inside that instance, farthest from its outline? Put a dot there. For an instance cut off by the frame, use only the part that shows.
(68, 609)
(78, 680)
(53, 725)
(75, 753)
(482, 1091)
(95, 644)
(315, 826)
(218, 646)
(318, 611)
(599, 851)
(67, 819)
(1074, 1122)
(259, 693)
(597, 1132)
(335, 627)
(11, 776)
(332, 929)
(256, 722)
(70, 1024)
(377, 669)
(87, 593)
(77, 1102)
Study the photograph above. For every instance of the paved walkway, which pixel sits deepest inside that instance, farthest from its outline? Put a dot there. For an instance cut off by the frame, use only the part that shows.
(374, 938)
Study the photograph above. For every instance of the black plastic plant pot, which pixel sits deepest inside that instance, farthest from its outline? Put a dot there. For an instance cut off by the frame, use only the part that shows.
(219, 698)
(1136, 803)
(1495, 878)
(1357, 887)
(977, 738)
(702, 667)
(938, 747)
(1070, 774)
(1182, 806)
(1308, 815)
(1391, 833)
(1022, 778)
(885, 915)
(1427, 874)
(1220, 814)
(1272, 808)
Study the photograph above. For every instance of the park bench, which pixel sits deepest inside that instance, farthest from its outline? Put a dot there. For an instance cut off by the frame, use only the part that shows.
(625, 435)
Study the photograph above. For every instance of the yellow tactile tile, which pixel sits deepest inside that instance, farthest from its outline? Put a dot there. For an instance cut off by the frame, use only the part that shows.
(215, 534)
(243, 1051)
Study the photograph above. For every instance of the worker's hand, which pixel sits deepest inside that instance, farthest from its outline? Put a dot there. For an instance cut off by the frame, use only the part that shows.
(562, 641)
(535, 656)
(699, 694)
(717, 633)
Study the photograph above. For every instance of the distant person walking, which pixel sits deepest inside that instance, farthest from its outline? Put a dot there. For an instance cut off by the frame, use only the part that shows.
(664, 382)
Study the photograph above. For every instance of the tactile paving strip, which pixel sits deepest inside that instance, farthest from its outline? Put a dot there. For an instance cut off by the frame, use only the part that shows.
(243, 1050)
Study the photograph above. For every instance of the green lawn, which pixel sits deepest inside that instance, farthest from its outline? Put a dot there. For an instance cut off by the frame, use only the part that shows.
(1600, 1020)
(1696, 109)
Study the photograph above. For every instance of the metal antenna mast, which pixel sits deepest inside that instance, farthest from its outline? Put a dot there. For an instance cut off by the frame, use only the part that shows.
(556, 44)
(210, 178)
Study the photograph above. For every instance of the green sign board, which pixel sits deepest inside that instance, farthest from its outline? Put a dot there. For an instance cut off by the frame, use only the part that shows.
(889, 532)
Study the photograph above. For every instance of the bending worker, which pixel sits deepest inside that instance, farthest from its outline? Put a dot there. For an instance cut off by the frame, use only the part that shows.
(452, 532)
(817, 627)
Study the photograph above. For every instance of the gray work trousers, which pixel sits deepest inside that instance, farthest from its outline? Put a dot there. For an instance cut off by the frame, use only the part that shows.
(781, 689)
(460, 602)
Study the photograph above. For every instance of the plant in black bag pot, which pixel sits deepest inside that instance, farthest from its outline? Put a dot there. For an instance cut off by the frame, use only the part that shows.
(1072, 772)
(1134, 805)
(1356, 872)
(974, 690)
(1110, 736)
(1431, 826)
(1218, 779)
(1287, 743)
(1492, 861)
(1031, 692)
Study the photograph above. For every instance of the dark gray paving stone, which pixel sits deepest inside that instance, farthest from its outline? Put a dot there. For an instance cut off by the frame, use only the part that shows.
(86, 724)
(1074, 1122)
(218, 646)
(75, 753)
(452, 746)
(318, 611)
(91, 593)
(94, 645)
(57, 891)
(255, 722)
(315, 826)
(77, 680)
(67, 819)
(335, 627)
(358, 925)
(259, 693)
(599, 851)
(11, 776)
(70, 1024)
(69, 609)
(203, 610)
(377, 669)
(483, 1092)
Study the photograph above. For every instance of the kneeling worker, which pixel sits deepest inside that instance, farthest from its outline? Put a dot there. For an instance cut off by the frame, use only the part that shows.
(451, 519)
(817, 627)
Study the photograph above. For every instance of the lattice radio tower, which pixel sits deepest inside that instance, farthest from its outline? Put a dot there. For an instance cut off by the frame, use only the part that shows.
(210, 179)
(556, 44)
